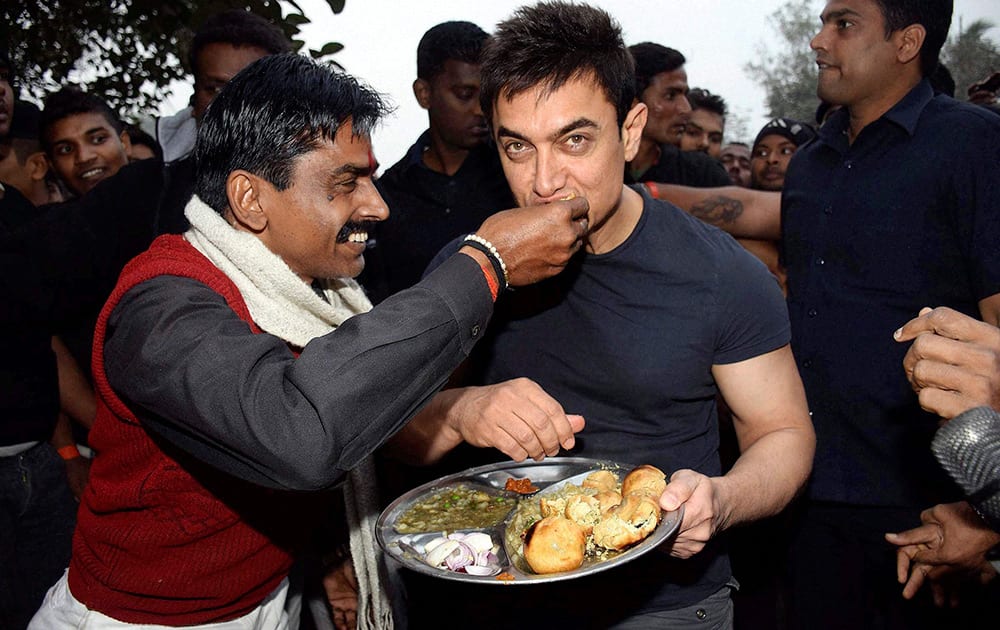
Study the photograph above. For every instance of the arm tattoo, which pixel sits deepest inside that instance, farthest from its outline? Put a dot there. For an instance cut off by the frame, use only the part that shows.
(718, 210)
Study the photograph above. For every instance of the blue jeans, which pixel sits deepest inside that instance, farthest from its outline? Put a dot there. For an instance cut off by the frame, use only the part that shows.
(37, 517)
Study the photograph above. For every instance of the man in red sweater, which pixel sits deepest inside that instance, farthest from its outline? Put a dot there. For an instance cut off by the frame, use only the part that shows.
(238, 365)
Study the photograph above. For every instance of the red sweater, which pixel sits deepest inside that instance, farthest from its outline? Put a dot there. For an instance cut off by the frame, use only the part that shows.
(152, 544)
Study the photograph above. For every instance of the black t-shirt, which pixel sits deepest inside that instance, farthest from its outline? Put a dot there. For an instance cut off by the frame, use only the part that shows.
(628, 339)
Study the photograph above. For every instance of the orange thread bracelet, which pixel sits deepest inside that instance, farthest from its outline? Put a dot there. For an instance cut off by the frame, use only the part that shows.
(490, 280)
(653, 189)
(69, 452)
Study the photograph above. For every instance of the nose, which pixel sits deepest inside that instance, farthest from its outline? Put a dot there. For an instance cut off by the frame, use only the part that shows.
(683, 105)
(818, 41)
(374, 208)
(549, 175)
(84, 153)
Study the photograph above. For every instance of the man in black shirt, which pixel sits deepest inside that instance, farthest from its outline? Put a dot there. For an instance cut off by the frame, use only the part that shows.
(450, 180)
(661, 83)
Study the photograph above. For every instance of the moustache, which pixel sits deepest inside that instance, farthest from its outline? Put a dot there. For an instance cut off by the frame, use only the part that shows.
(354, 227)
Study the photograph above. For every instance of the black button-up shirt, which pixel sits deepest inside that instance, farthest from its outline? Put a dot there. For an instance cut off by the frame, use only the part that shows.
(907, 216)
(428, 209)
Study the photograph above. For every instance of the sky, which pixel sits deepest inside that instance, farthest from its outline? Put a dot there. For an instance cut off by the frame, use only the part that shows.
(718, 38)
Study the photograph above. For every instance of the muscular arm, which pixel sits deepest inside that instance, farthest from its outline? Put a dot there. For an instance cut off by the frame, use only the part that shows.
(742, 212)
(775, 436)
(776, 440)
(243, 403)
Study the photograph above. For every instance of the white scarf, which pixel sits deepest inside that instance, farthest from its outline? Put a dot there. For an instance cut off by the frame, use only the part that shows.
(281, 304)
(279, 301)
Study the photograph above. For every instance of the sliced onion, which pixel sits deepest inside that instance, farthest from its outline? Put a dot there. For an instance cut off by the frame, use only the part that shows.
(431, 544)
(437, 555)
(461, 557)
(479, 541)
(473, 553)
(484, 558)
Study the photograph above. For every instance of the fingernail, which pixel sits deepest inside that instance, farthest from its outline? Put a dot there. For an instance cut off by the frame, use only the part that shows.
(898, 333)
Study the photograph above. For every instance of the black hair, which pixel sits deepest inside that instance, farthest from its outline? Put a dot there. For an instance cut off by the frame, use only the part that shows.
(273, 111)
(239, 28)
(551, 43)
(138, 136)
(701, 98)
(70, 101)
(461, 41)
(933, 15)
(652, 59)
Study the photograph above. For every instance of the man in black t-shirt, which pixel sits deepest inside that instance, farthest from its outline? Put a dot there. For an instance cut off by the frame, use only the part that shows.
(655, 317)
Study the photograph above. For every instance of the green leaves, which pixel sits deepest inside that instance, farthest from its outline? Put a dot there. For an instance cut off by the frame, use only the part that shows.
(128, 51)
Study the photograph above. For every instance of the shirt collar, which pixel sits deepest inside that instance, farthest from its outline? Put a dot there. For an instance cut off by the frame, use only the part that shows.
(415, 156)
(905, 113)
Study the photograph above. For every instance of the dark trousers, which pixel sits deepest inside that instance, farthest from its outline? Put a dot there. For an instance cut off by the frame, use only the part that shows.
(37, 517)
(842, 574)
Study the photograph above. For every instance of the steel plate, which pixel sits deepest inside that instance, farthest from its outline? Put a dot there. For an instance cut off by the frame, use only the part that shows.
(548, 475)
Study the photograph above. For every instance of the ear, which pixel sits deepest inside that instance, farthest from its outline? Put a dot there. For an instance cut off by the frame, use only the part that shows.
(909, 42)
(38, 166)
(243, 191)
(635, 120)
(126, 141)
(422, 92)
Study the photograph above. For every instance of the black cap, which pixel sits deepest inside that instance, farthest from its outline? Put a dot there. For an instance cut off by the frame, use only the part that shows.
(798, 133)
(25, 122)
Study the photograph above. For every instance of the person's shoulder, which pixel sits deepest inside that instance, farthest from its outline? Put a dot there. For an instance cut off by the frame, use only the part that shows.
(959, 116)
(701, 169)
(397, 178)
(669, 219)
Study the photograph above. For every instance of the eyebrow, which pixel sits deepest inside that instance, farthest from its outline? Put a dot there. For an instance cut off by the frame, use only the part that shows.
(88, 132)
(562, 131)
(833, 15)
(351, 169)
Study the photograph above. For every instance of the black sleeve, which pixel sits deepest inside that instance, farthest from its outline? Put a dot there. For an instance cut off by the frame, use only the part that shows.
(197, 377)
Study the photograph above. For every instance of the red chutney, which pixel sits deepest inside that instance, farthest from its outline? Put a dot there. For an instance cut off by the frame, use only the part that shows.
(520, 486)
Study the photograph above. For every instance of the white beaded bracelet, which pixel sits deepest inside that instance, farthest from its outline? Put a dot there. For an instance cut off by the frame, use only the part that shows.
(475, 238)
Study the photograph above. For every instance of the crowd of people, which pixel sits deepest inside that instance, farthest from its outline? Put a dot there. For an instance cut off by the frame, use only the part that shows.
(229, 339)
